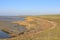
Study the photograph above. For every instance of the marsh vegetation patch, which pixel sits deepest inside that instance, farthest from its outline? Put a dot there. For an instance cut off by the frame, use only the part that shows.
(30, 25)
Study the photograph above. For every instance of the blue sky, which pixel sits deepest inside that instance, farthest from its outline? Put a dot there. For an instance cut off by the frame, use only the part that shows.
(29, 7)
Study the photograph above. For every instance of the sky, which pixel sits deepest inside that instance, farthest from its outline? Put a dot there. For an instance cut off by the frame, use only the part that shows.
(29, 7)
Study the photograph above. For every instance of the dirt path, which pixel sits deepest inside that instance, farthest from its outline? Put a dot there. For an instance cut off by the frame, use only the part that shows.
(48, 23)
(53, 23)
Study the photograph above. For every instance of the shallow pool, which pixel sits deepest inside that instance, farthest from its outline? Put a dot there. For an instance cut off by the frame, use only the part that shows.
(4, 35)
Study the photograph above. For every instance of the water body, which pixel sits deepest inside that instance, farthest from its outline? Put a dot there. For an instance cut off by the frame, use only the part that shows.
(10, 18)
(6, 23)
(21, 30)
(4, 35)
